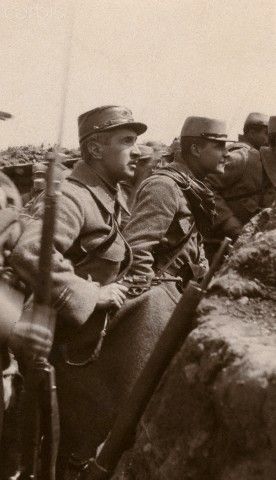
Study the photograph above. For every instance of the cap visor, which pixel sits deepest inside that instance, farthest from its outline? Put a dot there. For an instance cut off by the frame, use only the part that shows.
(138, 127)
(224, 140)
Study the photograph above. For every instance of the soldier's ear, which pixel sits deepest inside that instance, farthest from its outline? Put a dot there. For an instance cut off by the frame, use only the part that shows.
(195, 150)
(95, 149)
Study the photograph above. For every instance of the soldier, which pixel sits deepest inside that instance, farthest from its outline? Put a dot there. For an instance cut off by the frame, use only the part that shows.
(246, 186)
(272, 133)
(146, 164)
(15, 332)
(144, 167)
(165, 209)
(173, 209)
(175, 150)
(90, 254)
(39, 170)
(9, 232)
(162, 153)
(255, 133)
(268, 159)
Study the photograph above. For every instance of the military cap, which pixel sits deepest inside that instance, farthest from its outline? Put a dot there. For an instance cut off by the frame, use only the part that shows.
(146, 152)
(39, 168)
(256, 118)
(107, 118)
(203, 127)
(272, 124)
(175, 145)
(159, 148)
(166, 152)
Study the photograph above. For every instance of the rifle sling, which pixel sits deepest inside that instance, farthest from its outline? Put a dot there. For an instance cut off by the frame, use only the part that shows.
(178, 248)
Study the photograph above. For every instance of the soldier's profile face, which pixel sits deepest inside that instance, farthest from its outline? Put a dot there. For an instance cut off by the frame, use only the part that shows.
(260, 137)
(120, 155)
(212, 157)
(145, 167)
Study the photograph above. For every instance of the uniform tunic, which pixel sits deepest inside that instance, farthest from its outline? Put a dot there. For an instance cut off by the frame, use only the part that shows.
(247, 185)
(161, 218)
(83, 218)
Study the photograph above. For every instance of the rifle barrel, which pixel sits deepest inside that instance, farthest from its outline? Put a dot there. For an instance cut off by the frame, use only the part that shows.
(43, 290)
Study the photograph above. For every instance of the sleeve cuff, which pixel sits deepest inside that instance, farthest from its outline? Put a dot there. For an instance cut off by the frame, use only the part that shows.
(76, 303)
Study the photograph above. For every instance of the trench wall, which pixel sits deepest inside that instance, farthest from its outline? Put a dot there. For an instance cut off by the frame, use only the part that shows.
(213, 415)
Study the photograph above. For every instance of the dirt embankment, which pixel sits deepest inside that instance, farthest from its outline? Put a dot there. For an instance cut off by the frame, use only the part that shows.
(17, 162)
(213, 416)
(26, 154)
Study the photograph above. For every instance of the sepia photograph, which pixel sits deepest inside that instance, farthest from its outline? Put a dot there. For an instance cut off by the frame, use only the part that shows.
(138, 240)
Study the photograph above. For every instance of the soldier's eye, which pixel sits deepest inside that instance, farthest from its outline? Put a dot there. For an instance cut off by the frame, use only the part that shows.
(129, 140)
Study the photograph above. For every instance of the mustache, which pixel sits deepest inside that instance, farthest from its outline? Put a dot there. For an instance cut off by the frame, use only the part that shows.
(134, 158)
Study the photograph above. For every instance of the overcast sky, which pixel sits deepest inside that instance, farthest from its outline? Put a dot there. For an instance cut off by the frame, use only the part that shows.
(165, 59)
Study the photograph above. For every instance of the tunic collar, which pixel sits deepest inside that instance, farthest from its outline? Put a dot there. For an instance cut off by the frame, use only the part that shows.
(183, 168)
(105, 193)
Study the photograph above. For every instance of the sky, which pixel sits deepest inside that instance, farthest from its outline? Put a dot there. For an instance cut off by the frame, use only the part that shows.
(164, 59)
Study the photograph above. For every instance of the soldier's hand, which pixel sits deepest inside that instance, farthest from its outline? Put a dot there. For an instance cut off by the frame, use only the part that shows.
(30, 339)
(112, 296)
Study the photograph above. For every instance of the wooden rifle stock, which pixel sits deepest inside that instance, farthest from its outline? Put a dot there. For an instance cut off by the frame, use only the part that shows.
(41, 429)
(178, 328)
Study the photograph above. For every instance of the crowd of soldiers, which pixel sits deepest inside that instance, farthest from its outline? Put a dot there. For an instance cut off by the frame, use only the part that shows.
(126, 215)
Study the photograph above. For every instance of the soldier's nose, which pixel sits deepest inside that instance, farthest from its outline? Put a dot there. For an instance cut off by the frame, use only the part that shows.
(135, 151)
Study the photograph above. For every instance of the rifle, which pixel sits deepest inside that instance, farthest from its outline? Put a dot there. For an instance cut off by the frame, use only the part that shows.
(138, 284)
(41, 446)
(178, 328)
(41, 429)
